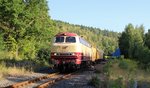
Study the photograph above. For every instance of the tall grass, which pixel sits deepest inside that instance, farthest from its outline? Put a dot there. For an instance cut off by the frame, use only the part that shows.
(125, 68)
(124, 73)
(11, 71)
(9, 65)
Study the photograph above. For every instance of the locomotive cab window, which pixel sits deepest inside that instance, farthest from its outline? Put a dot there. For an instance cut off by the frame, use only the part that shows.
(82, 41)
(59, 39)
(70, 39)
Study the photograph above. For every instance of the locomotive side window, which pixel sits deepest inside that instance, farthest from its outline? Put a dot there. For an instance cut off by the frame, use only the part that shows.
(59, 39)
(71, 39)
(82, 41)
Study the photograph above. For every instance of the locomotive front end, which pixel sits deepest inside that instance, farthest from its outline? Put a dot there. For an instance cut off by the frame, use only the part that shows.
(65, 52)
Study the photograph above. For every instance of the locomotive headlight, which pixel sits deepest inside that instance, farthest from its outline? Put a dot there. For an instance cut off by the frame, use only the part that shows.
(73, 54)
(55, 54)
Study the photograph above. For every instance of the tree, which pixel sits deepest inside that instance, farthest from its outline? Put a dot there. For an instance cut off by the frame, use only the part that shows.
(25, 24)
(130, 40)
(124, 40)
(132, 46)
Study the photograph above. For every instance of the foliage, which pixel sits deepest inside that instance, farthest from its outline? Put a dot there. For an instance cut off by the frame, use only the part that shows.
(124, 68)
(124, 73)
(127, 64)
(43, 54)
(25, 27)
(130, 39)
(95, 81)
(123, 65)
(106, 68)
(117, 83)
(134, 44)
(1, 43)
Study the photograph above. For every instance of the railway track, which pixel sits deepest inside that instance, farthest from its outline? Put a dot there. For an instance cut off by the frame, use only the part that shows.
(51, 79)
(48, 83)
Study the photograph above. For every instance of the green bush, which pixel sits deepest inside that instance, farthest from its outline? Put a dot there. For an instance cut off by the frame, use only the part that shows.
(43, 55)
(95, 81)
(107, 67)
(118, 83)
(123, 64)
(127, 64)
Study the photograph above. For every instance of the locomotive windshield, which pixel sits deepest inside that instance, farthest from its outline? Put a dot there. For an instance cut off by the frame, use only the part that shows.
(70, 39)
(59, 39)
(66, 39)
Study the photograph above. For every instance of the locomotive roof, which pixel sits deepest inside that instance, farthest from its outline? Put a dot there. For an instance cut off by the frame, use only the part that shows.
(66, 34)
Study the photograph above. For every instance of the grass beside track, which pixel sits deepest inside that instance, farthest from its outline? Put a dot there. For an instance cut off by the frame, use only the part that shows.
(10, 67)
(6, 71)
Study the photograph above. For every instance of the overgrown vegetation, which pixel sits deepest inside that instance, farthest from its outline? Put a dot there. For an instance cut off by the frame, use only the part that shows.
(123, 68)
(95, 81)
(122, 73)
(13, 70)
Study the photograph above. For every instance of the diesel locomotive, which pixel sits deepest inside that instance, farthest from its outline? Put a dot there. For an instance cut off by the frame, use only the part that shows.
(71, 51)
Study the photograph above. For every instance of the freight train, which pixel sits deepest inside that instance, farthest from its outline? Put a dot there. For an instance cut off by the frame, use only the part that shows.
(71, 51)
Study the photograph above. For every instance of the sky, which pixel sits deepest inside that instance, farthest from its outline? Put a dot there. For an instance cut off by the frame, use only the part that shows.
(112, 15)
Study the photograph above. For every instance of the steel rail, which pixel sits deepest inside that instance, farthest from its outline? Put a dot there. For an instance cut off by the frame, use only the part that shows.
(51, 82)
(25, 83)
